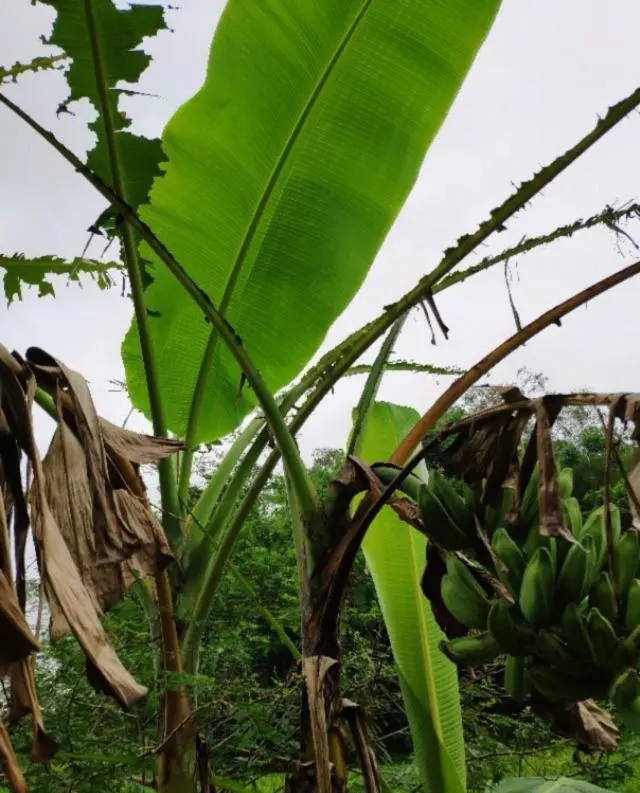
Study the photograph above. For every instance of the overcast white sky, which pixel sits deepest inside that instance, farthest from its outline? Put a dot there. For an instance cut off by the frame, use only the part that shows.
(547, 70)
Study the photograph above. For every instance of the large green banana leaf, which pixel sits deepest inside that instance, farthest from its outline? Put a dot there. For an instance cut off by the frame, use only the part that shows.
(285, 172)
(395, 555)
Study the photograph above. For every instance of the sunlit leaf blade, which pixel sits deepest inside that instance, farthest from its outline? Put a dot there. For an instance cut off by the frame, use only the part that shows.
(547, 785)
(103, 43)
(395, 555)
(285, 173)
(20, 271)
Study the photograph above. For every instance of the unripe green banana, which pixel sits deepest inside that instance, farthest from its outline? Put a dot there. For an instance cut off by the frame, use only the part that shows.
(462, 594)
(602, 597)
(594, 527)
(574, 630)
(631, 647)
(454, 504)
(494, 517)
(626, 555)
(625, 695)
(572, 580)
(572, 515)
(511, 556)
(593, 566)
(565, 482)
(472, 495)
(515, 681)
(550, 648)
(438, 523)
(606, 646)
(533, 541)
(632, 610)
(471, 650)
(512, 635)
(536, 598)
(529, 505)
(557, 684)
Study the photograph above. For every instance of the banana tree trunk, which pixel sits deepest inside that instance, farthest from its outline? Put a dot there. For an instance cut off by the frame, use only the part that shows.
(326, 716)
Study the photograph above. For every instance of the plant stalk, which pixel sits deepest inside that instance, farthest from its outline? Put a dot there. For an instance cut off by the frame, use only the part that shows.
(463, 383)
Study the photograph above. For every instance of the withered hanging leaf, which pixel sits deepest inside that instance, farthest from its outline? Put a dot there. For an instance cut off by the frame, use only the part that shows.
(505, 459)
(139, 449)
(15, 504)
(10, 763)
(24, 700)
(62, 579)
(633, 476)
(585, 722)
(473, 451)
(549, 503)
(95, 491)
(17, 639)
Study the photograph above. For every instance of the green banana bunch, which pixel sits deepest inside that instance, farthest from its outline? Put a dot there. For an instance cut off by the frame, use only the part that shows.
(537, 593)
(463, 596)
(515, 678)
(511, 633)
(575, 632)
(512, 557)
(454, 504)
(447, 519)
(625, 695)
(568, 624)
(602, 597)
(529, 505)
(607, 649)
(632, 611)
(551, 648)
(594, 527)
(494, 516)
(558, 684)
(573, 581)
(472, 650)
(565, 482)
(626, 555)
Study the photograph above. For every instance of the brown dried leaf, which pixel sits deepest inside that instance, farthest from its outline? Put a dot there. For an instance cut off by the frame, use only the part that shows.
(108, 563)
(10, 763)
(585, 722)
(408, 511)
(549, 504)
(355, 717)
(634, 482)
(473, 451)
(17, 640)
(62, 579)
(139, 449)
(15, 503)
(24, 700)
(95, 491)
(505, 458)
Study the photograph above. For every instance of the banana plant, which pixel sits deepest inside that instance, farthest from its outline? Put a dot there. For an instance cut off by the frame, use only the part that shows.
(244, 233)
